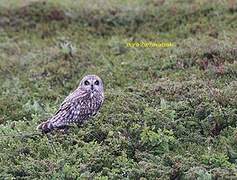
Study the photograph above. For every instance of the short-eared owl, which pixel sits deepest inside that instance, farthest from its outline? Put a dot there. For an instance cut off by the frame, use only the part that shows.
(79, 106)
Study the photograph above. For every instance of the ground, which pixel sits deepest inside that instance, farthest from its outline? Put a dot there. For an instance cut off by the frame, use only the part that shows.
(169, 113)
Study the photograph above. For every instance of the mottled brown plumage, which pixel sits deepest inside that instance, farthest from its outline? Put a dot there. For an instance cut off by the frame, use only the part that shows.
(79, 106)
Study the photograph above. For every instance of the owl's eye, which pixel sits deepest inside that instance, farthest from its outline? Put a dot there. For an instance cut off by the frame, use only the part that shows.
(97, 82)
(86, 83)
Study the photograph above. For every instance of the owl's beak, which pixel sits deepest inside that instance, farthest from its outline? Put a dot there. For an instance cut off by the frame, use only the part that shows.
(92, 87)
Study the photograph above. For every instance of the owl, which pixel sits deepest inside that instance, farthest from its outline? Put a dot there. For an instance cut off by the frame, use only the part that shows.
(79, 106)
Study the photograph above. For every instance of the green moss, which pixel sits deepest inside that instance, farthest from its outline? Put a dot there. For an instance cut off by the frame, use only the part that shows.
(169, 113)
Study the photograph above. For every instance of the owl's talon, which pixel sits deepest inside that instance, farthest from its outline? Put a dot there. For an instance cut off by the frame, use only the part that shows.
(65, 131)
(79, 125)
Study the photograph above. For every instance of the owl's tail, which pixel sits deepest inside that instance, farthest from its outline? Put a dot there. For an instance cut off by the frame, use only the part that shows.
(46, 127)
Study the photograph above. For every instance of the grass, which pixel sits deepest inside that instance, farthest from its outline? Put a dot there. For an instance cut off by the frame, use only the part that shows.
(169, 113)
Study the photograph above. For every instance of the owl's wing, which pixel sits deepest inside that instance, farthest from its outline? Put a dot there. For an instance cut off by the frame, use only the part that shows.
(70, 110)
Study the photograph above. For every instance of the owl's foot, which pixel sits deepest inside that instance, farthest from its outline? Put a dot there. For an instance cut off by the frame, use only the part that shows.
(64, 129)
(79, 125)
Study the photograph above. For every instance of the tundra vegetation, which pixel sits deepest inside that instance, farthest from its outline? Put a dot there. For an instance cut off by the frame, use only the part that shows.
(169, 113)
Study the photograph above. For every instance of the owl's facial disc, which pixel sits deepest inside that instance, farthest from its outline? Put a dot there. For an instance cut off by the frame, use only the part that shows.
(92, 83)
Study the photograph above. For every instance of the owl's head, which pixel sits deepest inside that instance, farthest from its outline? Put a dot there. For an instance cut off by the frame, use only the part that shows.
(92, 83)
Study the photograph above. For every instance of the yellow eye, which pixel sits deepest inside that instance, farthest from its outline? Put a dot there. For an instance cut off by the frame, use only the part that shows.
(97, 82)
(86, 83)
